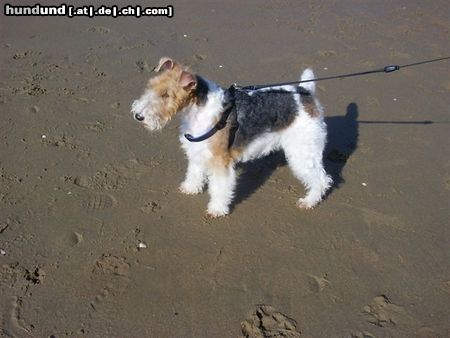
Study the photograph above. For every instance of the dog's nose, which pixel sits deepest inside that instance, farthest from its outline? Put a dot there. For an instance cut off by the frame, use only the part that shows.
(139, 117)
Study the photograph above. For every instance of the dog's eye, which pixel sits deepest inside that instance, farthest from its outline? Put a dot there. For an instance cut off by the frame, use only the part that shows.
(165, 95)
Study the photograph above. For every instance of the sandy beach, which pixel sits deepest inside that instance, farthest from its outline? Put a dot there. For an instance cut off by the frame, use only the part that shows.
(96, 240)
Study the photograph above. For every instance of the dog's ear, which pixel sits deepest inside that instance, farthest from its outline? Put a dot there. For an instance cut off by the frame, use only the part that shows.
(165, 63)
(187, 80)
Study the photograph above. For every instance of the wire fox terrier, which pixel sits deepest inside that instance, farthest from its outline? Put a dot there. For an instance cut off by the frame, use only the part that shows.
(262, 121)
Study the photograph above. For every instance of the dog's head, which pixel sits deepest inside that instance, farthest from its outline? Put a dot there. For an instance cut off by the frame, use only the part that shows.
(168, 92)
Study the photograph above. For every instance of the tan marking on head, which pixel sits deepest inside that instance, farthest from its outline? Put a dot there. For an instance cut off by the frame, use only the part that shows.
(168, 85)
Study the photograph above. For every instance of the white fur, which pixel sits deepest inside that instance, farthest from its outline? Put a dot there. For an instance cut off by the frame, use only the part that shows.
(262, 146)
(221, 189)
(309, 86)
(147, 105)
(303, 143)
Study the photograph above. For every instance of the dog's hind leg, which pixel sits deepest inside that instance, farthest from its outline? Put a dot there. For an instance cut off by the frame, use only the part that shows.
(304, 151)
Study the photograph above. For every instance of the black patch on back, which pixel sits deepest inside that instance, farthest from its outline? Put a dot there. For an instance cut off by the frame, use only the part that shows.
(264, 111)
(201, 91)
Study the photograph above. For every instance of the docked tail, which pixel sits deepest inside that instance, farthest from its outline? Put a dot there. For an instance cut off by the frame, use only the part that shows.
(309, 86)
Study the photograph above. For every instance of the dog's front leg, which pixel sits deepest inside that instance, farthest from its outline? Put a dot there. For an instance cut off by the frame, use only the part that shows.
(195, 178)
(222, 181)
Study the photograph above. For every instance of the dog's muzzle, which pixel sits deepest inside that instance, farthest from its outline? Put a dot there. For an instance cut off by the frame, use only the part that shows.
(139, 117)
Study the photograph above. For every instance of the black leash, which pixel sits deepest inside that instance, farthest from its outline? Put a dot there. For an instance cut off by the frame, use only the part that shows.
(387, 69)
(230, 93)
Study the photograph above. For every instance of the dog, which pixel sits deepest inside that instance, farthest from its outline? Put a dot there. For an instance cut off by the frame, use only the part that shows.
(288, 118)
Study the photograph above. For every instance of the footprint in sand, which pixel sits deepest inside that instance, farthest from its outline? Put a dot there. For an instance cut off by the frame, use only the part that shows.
(383, 313)
(377, 218)
(110, 178)
(15, 325)
(61, 141)
(151, 207)
(266, 321)
(113, 177)
(96, 126)
(99, 202)
(144, 66)
(22, 55)
(115, 272)
(11, 274)
(112, 265)
(15, 276)
(317, 284)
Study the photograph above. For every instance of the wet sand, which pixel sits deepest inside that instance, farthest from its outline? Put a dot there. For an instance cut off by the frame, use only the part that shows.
(97, 242)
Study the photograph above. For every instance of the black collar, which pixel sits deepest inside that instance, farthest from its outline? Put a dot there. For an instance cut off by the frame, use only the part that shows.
(228, 106)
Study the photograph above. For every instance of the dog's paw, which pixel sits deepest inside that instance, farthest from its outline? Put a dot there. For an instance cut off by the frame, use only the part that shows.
(304, 204)
(190, 189)
(215, 214)
(215, 211)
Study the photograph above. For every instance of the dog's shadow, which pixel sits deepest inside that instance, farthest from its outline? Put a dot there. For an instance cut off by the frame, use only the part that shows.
(343, 134)
(341, 143)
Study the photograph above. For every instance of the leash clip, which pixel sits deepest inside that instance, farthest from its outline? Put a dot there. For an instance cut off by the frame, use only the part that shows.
(391, 68)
